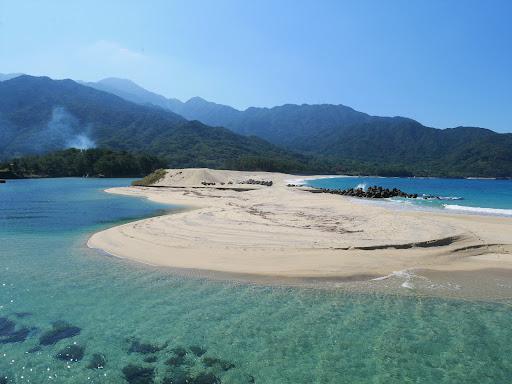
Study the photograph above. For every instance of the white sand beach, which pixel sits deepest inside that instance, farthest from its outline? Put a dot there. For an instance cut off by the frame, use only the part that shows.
(240, 228)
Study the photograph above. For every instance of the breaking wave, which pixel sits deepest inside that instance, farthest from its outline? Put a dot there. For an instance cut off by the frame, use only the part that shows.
(489, 211)
(432, 197)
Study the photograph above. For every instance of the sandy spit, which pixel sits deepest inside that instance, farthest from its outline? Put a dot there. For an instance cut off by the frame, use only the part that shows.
(240, 228)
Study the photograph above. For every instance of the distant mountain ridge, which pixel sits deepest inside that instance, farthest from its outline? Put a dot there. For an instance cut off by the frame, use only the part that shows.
(38, 115)
(272, 124)
(340, 133)
(130, 91)
(9, 76)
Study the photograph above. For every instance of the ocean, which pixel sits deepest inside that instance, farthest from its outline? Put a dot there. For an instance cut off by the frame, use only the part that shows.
(123, 322)
(481, 196)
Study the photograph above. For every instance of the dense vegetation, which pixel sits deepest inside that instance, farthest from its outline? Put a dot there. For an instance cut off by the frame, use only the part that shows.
(375, 145)
(38, 115)
(75, 162)
(152, 178)
(337, 138)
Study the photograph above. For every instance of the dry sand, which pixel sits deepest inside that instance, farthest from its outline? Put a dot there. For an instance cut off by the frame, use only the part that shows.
(291, 232)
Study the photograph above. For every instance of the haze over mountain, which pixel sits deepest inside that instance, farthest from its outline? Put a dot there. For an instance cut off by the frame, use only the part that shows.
(341, 133)
(38, 114)
(8, 76)
(130, 91)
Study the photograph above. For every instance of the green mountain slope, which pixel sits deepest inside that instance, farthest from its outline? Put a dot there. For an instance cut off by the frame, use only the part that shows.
(340, 135)
(39, 115)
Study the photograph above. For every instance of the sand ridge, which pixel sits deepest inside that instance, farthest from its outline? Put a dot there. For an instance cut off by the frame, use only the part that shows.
(288, 231)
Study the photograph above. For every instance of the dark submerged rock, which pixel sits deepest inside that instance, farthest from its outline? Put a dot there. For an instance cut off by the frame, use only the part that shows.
(9, 334)
(204, 378)
(178, 357)
(135, 374)
(179, 351)
(6, 326)
(98, 361)
(201, 378)
(144, 348)
(176, 378)
(175, 361)
(150, 359)
(35, 349)
(21, 315)
(215, 362)
(72, 352)
(16, 336)
(61, 330)
(197, 350)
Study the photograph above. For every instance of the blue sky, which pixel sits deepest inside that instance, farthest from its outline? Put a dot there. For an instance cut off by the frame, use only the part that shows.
(444, 63)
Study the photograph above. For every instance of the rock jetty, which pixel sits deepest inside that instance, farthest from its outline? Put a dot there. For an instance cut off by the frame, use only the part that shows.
(267, 183)
(374, 192)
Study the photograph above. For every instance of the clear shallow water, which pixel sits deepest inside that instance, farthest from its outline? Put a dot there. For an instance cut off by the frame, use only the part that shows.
(464, 195)
(263, 334)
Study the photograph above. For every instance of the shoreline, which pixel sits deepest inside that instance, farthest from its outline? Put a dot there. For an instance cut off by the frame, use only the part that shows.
(449, 205)
(284, 232)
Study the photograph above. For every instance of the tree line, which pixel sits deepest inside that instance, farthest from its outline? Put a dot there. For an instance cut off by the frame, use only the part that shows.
(96, 162)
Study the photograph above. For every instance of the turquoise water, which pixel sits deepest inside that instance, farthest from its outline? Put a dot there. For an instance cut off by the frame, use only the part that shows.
(464, 195)
(248, 333)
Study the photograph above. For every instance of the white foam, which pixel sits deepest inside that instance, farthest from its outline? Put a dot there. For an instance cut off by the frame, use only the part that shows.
(488, 211)
(450, 198)
(304, 180)
(432, 197)
(405, 274)
(295, 181)
(407, 284)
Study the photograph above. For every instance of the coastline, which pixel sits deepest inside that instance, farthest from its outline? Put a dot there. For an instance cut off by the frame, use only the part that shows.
(287, 232)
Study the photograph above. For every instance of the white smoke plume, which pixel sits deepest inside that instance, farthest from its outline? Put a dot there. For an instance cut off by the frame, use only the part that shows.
(65, 131)
(80, 141)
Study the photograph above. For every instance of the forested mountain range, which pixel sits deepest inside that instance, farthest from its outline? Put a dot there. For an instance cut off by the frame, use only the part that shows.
(344, 135)
(39, 114)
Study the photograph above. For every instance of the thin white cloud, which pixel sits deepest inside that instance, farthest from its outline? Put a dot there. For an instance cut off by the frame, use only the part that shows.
(111, 51)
